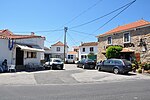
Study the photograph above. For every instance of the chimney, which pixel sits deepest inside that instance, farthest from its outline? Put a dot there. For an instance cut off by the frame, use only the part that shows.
(32, 33)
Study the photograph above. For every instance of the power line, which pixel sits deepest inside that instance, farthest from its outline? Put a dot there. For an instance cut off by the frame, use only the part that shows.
(114, 16)
(38, 31)
(82, 32)
(72, 39)
(55, 40)
(102, 16)
(83, 12)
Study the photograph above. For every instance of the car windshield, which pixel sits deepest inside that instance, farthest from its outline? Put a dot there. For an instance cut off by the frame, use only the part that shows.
(57, 60)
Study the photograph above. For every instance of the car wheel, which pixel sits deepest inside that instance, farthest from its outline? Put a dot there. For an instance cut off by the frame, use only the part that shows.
(116, 70)
(99, 68)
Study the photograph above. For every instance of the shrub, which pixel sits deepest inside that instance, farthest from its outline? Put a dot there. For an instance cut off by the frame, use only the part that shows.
(113, 52)
(139, 70)
(134, 67)
(147, 66)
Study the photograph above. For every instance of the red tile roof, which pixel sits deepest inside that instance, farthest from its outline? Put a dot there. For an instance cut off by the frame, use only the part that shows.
(127, 27)
(59, 43)
(90, 44)
(8, 34)
(72, 52)
(127, 50)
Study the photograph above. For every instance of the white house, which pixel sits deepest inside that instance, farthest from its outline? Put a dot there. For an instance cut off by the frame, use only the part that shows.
(47, 53)
(57, 50)
(72, 57)
(88, 48)
(21, 49)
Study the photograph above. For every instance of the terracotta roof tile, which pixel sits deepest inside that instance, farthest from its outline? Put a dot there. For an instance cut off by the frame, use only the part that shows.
(72, 52)
(23, 36)
(59, 43)
(127, 50)
(90, 44)
(8, 34)
(127, 27)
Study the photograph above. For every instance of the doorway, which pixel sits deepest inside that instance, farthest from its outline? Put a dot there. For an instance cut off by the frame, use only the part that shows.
(19, 56)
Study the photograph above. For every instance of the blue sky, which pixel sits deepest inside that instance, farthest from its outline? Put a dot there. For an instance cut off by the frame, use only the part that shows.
(25, 16)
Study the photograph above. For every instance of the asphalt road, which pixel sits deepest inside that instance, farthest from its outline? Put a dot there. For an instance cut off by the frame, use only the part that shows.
(73, 83)
(129, 90)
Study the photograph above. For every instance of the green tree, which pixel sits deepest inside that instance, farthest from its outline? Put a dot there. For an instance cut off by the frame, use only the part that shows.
(113, 52)
(92, 56)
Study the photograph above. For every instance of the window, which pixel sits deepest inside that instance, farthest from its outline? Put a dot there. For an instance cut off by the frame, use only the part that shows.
(70, 56)
(91, 49)
(83, 49)
(127, 37)
(58, 49)
(117, 62)
(108, 62)
(31, 54)
(83, 56)
(109, 40)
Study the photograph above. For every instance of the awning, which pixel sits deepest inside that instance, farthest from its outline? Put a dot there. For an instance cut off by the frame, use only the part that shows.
(103, 52)
(127, 50)
(123, 50)
(34, 48)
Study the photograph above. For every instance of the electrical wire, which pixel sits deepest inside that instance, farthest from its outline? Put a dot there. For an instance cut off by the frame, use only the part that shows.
(55, 40)
(72, 39)
(39, 31)
(102, 16)
(82, 32)
(83, 12)
(113, 17)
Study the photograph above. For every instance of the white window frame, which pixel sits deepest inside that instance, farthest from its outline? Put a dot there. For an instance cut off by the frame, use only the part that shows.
(111, 40)
(91, 50)
(129, 38)
(58, 49)
(83, 50)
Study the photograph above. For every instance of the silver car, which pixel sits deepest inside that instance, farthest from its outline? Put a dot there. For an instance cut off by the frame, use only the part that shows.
(54, 63)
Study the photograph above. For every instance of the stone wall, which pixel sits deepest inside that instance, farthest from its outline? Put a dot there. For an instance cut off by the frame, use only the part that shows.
(117, 39)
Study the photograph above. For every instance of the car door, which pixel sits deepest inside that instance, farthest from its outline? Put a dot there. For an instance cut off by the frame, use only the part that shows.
(108, 64)
(80, 63)
(105, 65)
(111, 65)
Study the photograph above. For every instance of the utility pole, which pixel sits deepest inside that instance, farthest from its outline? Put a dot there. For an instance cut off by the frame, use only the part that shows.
(65, 31)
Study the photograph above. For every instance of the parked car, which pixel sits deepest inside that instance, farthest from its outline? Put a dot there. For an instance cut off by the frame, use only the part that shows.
(54, 63)
(1, 69)
(86, 63)
(97, 64)
(116, 66)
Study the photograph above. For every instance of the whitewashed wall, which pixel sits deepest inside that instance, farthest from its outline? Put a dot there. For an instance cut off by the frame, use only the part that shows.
(54, 49)
(5, 53)
(33, 41)
(87, 50)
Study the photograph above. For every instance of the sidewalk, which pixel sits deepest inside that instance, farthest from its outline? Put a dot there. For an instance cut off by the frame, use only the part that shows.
(18, 78)
(96, 76)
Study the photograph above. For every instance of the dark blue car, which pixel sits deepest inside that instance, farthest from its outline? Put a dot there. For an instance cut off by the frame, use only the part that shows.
(116, 66)
(86, 63)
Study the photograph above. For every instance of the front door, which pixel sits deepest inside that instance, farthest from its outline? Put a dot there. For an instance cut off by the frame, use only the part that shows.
(19, 56)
